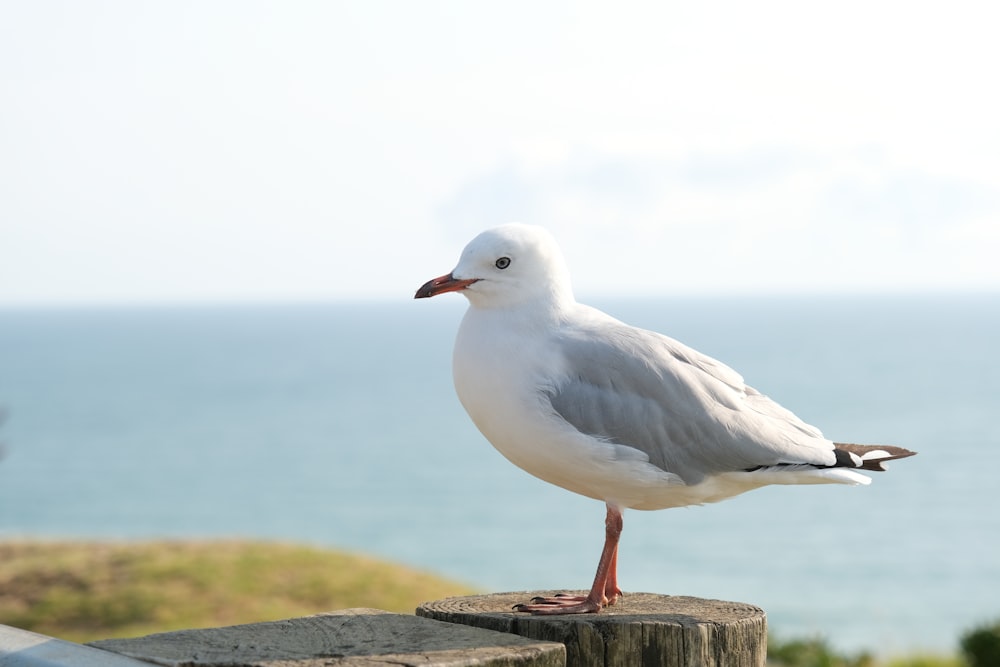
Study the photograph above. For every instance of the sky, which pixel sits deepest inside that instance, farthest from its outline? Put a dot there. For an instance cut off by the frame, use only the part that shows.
(211, 151)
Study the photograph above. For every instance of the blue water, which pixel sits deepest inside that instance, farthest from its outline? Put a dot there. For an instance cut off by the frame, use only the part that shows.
(337, 425)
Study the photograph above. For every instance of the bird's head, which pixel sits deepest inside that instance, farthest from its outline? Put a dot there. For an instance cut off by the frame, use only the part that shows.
(506, 266)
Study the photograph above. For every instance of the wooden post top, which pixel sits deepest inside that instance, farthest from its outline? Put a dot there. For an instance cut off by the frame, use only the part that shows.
(641, 629)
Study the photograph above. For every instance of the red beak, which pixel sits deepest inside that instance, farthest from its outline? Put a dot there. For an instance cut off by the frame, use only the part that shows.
(448, 283)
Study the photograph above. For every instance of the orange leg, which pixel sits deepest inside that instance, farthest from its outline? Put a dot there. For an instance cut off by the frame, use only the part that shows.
(605, 590)
(611, 590)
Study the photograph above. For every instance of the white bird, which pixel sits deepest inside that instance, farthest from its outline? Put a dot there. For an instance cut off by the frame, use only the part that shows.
(613, 412)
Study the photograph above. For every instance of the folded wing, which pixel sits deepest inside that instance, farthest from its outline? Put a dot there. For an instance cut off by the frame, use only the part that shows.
(688, 413)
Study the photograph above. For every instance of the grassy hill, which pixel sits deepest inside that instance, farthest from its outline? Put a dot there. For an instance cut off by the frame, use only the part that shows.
(82, 591)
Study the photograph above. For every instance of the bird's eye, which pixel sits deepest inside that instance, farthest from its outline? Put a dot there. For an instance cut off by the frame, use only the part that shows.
(503, 262)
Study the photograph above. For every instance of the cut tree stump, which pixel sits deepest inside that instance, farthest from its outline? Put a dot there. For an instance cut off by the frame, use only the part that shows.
(641, 629)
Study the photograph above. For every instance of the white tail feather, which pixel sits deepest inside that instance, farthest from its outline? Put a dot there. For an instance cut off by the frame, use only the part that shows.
(807, 474)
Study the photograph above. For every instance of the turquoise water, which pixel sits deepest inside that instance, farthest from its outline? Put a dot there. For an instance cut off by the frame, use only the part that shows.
(337, 425)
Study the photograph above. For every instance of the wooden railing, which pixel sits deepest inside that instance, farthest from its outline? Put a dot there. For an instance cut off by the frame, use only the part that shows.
(642, 629)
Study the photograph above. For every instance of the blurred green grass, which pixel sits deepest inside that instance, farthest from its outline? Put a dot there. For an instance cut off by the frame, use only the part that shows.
(83, 591)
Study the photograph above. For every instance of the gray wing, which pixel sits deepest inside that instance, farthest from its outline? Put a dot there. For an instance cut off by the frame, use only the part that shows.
(690, 414)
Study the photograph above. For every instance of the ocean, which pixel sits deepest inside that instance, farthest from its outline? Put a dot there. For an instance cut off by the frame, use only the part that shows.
(337, 425)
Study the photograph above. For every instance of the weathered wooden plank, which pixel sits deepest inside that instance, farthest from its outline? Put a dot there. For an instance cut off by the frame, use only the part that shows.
(641, 629)
(347, 638)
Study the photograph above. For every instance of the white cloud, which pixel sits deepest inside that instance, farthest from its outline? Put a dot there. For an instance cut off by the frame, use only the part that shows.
(776, 220)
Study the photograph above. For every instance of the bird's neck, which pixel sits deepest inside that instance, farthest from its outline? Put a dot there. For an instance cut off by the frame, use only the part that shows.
(540, 313)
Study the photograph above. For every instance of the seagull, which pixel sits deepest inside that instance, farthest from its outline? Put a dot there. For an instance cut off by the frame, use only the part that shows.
(616, 413)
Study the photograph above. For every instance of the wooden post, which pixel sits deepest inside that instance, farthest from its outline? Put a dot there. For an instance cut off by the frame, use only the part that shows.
(641, 629)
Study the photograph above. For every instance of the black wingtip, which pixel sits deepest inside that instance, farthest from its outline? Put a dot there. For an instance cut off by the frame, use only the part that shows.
(868, 457)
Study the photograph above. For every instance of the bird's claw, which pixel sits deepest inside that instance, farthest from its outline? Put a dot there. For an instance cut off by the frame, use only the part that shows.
(562, 597)
(561, 603)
